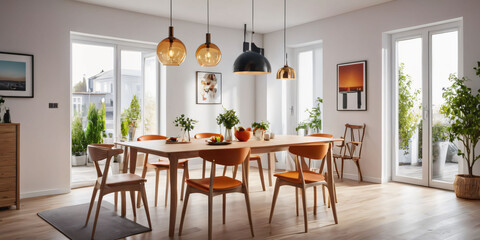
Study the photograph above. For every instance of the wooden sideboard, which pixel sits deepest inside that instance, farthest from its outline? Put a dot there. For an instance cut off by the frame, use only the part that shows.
(9, 164)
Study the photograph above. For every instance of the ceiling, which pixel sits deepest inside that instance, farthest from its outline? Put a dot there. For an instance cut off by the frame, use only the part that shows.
(234, 13)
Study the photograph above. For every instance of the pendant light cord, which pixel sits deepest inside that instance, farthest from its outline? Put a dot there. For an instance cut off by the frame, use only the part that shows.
(285, 31)
(171, 13)
(208, 16)
(253, 18)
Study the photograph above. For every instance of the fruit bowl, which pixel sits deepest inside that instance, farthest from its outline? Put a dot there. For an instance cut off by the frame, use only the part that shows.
(242, 135)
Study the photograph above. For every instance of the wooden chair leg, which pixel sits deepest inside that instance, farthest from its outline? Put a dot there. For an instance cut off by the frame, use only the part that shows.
(336, 168)
(247, 201)
(145, 205)
(315, 200)
(210, 216)
(144, 174)
(260, 171)
(274, 201)
(359, 171)
(224, 170)
(322, 165)
(304, 202)
(157, 178)
(92, 201)
(132, 198)
(184, 210)
(204, 168)
(166, 188)
(343, 162)
(183, 181)
(296, 200)
(234, 173)
(97, 212)
(323, 194)
(224, 206)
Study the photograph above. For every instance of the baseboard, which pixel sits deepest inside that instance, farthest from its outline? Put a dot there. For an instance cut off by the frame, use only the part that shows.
(43, 193)
(365, 178)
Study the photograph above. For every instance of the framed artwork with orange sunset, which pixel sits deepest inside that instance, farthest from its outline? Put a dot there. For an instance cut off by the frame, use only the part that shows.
(352, 86)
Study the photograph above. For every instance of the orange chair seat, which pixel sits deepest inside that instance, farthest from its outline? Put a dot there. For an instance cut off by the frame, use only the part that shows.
(292, 176)
(125, 178)
(219, 183)
(254, 157)
(166, 163)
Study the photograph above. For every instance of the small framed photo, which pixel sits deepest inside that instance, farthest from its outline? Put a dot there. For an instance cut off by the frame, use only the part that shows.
(209, 88)
(16, 75)
(352, 86)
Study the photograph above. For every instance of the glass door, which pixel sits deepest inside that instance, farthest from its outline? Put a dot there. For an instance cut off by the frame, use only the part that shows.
(423, 59)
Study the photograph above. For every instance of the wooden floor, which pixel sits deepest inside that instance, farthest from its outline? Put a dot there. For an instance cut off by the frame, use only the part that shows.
(365, 211)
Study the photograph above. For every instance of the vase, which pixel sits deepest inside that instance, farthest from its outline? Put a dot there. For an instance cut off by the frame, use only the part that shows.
(131, 133)
(259, 134)
(228, 135)
(186, 136)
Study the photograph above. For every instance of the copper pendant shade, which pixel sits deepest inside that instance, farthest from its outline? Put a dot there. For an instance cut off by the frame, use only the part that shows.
(171, 51)
(208, 54)
(286, 72)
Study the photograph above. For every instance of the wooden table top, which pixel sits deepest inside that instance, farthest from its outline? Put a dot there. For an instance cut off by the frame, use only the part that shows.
(159, 147)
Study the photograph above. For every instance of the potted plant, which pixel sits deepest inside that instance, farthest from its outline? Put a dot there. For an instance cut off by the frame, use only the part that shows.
(124, 129)
(79, 142)
(314, 122)
(302, 126)
(228, 119)
(408, 114)
(462, 110)
(132, 116)
(259, 129)
(186, 124)
(439, 148)
(95, 124)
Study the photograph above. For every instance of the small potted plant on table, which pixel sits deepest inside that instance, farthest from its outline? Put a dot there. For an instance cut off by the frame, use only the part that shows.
(259, 129)
(186, 124)
(228, 119)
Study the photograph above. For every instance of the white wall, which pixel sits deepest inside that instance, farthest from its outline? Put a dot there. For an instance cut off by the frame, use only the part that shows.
(42, 28)
(358, 36)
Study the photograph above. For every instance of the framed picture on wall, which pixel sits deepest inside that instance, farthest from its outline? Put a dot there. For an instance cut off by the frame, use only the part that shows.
(16, 75)
(209, 88)
(352, 86)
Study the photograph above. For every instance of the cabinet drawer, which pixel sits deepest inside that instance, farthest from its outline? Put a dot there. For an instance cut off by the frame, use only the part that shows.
(8, 129)
(8, 184)
(8, 171)
(8, 142)
(5, 202)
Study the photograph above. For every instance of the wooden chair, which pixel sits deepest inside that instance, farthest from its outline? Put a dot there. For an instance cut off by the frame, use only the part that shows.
(162, 165)
(325, 135)
(303, 179)
(352, 149)
(222, 185)
(115, 183)
(205, 135)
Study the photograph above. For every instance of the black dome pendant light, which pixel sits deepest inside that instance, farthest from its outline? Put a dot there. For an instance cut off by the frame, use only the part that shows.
(285, 72)
(251, 61)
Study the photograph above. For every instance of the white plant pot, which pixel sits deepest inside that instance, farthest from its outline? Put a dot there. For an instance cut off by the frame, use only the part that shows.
(115, 167)
(439, 152)
(259, 134)
(79, 160)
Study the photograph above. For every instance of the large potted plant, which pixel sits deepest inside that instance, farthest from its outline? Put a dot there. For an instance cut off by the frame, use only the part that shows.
(132, 116)
(408, 115)
(186, 124)
(95, 124)
(462, 109)
(79, 142)
(228, 119)
(314, 122)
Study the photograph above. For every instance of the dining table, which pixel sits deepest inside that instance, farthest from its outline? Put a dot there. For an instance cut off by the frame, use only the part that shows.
(175, 152)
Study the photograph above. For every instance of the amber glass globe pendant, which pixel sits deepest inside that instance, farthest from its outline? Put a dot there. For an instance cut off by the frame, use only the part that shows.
(208, 54)
(171, 51)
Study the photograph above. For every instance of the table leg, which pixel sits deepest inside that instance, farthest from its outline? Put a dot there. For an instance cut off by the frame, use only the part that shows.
(133, 162)
(271, 167)
(123, 195)
(330, 182)
(173, 194)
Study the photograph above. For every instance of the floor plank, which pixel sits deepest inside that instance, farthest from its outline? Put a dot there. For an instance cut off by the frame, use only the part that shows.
(365, 211)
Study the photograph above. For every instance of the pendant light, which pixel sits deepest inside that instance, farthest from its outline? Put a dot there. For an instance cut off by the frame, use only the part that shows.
(251, 61)
(171, 51)
(208, 54)
(285, 72)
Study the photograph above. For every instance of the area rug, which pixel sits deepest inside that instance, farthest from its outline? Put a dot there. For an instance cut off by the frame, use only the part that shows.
(71, 222)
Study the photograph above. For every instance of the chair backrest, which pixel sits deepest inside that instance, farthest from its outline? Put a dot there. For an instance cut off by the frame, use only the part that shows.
(325, 135)
(98, 152)
(206, 135)
(357, 134)
(226, 157)
(312, 150)
(151, 137)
